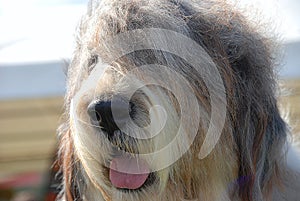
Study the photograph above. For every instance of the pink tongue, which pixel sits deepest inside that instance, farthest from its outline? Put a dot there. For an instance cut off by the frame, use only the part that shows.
(129, 173)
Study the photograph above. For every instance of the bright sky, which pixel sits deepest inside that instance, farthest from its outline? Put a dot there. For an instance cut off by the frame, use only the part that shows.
(37, 30)
(43, 30)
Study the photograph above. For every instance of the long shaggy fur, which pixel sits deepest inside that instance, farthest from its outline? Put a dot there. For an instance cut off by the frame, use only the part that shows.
(247, 164)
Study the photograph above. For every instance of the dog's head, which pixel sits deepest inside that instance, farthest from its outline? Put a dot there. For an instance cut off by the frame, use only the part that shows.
(169, 100)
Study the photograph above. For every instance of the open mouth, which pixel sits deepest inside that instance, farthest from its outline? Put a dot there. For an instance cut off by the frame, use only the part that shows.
(130, 174)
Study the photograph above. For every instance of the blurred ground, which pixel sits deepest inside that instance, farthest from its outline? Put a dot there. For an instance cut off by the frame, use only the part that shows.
(28, 129)
(27, 146)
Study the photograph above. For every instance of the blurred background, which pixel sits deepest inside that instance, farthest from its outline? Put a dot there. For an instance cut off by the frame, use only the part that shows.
(36, 42)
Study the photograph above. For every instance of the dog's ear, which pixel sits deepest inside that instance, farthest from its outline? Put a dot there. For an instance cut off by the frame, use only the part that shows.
(260, 135)
(259, 130)
(245, 57)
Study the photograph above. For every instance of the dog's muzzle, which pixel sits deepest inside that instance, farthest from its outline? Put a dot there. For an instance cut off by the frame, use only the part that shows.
(125, 172)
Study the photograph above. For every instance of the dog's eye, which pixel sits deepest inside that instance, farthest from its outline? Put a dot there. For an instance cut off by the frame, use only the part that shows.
(92, 62)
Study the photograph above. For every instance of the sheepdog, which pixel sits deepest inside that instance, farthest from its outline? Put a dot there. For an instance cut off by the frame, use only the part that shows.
(174, 100)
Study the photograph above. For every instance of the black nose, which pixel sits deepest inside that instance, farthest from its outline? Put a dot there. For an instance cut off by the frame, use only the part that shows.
(100, 113)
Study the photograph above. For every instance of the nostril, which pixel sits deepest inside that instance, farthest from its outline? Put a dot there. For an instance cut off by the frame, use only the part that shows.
(98, 117)
(101, 115)
(95, 117)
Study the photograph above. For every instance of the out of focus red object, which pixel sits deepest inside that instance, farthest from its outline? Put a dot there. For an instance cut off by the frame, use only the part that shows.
(21, 180)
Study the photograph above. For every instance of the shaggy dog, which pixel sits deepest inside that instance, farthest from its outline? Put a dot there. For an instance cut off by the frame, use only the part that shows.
(173, 100)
